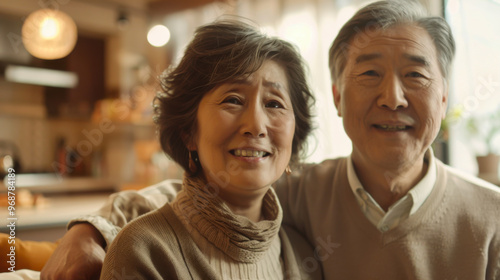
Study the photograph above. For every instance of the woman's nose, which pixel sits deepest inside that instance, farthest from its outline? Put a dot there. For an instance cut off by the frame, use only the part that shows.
(254, 122)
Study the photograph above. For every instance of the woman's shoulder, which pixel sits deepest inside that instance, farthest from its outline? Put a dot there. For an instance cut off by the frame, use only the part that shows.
(151, 227)
(140, 245)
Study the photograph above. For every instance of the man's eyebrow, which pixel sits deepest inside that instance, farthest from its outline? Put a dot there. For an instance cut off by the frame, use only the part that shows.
(415, 58)
(367, 57)
(418, 59)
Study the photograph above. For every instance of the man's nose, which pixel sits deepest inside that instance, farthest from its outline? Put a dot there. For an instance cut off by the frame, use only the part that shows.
(392, 94)
(254, 121)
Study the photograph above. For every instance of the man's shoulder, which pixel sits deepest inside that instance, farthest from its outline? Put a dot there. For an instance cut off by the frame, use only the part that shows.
(165, 187)
(308, 176)
(471, 191)
(473, 200)
(461, 178)
(327, 166)
(152, 197)
(316, 175)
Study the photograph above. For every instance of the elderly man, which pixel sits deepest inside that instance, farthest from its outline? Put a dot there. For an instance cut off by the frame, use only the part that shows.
(388, 211)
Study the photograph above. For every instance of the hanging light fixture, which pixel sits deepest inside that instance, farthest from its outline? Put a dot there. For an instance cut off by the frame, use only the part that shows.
(49, 34)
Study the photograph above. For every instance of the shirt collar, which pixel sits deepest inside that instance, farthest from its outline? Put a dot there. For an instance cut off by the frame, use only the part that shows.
(418, 193)
(423, 189)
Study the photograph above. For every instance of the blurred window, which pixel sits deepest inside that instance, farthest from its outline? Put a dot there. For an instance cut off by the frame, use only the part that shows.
(475, 80)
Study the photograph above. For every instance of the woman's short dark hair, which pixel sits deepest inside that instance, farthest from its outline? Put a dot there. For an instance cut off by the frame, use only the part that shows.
(221, 52)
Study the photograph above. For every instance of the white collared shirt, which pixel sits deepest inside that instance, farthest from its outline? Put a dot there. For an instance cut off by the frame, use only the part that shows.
(404, 207)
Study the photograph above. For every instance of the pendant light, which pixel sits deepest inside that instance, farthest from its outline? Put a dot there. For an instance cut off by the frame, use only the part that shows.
(49, 34)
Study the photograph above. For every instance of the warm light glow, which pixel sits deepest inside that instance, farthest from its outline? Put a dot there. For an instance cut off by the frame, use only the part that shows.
(49, 28)
(158, 35)
(49, 34)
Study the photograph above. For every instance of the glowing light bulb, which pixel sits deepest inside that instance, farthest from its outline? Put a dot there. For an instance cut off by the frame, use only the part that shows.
(49, 34)
(158, 35)
(49, 28)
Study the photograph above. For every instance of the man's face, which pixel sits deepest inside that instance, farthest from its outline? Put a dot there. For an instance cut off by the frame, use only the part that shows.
(391, 96)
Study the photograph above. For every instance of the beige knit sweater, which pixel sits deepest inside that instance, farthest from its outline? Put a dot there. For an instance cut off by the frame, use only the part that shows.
(197, 237)
(455, 234)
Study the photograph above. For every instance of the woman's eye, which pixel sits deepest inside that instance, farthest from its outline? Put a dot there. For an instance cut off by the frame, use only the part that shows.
(274, 104)
(232, 100)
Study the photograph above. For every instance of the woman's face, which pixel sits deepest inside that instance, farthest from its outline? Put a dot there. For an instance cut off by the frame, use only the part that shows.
(245, 132)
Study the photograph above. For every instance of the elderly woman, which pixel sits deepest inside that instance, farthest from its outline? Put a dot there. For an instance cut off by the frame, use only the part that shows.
(234, 114)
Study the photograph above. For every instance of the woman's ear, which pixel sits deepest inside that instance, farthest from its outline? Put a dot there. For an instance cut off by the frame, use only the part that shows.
(189, 141)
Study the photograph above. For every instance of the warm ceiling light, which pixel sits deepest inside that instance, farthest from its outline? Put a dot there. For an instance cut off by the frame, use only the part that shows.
(49, 34)
(158, 35)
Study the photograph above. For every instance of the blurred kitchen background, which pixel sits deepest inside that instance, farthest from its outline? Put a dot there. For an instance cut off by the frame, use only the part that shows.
(76, 116)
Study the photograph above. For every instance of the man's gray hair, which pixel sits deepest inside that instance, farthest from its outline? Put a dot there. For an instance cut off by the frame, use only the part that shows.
(381, 15)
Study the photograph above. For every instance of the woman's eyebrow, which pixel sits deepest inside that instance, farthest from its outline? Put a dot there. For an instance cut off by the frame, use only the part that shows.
(240, 81)
(266, 83)
(274, 85)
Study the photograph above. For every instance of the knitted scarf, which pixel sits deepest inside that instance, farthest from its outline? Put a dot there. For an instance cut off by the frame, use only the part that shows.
(237, 236)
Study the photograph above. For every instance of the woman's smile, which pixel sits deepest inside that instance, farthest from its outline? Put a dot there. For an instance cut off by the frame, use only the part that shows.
(245, 131)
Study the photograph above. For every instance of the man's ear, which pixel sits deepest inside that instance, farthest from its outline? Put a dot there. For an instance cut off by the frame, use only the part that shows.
(336, 100)
(444, 100)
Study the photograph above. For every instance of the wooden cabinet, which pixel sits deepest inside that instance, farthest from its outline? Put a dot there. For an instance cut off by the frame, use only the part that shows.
(87, 60)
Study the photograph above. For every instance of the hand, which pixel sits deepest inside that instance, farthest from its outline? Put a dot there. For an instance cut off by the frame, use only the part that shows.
(79, 255)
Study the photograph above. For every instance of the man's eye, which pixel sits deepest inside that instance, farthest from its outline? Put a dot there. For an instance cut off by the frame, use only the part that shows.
(274, 104)
(370, 73)
(415, 75)
(369, 78)
(416, 80)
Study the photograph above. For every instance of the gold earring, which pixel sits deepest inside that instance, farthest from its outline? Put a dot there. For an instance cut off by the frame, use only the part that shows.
(288, 170)
(192, 164)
